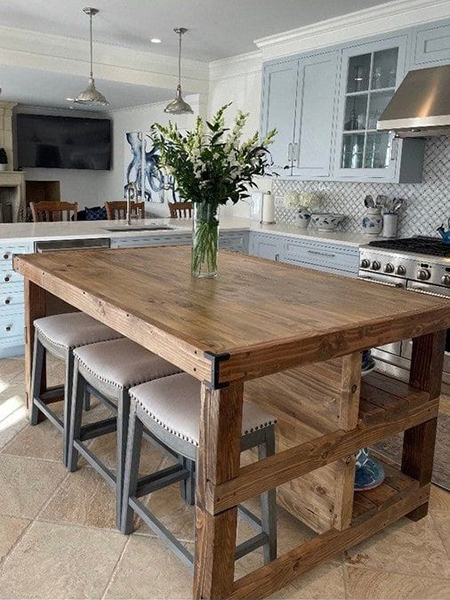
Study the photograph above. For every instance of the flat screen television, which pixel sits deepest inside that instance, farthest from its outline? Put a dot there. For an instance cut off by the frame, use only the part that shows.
(63, 142)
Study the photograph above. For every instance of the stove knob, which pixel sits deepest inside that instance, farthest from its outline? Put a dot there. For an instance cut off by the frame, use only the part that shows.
(423, 274)
(446, 279)
(376, 265)
(401, 270)
(389, 268)
(365, 263)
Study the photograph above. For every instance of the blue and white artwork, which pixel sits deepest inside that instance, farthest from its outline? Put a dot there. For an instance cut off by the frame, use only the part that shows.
(142, 168)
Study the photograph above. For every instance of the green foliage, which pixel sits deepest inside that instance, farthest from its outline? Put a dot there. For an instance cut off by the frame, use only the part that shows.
(210, 163)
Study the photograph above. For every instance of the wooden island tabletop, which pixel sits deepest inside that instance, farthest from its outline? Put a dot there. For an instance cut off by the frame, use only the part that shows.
(265, 315)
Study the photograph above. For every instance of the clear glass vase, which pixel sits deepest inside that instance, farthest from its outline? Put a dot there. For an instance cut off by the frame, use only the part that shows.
(205, 239)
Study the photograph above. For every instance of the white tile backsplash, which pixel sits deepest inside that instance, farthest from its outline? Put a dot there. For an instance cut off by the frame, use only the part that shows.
(427, 203)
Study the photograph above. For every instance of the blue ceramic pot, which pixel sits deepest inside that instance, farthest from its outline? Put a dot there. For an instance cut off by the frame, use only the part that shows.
(303, 217)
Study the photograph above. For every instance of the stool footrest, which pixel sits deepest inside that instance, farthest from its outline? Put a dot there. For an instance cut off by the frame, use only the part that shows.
(99, 428)
(42, 406)
(161, 479)
(97, 464)
(51, 395)
(252, 544)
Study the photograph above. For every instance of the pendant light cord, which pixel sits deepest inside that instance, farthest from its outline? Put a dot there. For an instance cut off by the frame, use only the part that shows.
(91, 46)
(179, 59)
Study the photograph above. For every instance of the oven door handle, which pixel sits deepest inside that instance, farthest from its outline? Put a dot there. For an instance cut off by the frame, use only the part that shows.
(378, 282)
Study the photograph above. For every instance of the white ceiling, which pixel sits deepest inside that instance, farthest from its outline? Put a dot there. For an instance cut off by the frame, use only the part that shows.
(50, 89)
(218, 28)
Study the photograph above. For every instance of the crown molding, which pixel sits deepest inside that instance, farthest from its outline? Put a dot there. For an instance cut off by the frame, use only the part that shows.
(380, 19)
(234, 66)
(33, 50)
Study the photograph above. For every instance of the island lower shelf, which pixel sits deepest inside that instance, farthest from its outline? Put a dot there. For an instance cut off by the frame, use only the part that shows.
(310, 408)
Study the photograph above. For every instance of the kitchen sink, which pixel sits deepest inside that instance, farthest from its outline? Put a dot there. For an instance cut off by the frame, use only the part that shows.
(140, 228)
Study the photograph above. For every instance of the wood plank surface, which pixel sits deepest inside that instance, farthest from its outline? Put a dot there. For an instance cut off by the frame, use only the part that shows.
(268, 579)
(268, 316)
(35, 308)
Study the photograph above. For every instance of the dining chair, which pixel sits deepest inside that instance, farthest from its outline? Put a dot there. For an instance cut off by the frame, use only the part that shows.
(107, 371)
(59, 335)
(180, 210)
(53, 211)
(169, 410)
(118, 210)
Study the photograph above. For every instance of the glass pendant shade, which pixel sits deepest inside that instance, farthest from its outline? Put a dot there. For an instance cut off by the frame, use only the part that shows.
(90, 96)
(178, 106)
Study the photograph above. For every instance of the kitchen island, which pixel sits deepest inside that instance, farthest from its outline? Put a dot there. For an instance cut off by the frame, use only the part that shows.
(293, 344)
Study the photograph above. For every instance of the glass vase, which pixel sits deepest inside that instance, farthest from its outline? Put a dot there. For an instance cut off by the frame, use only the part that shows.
(205, 239)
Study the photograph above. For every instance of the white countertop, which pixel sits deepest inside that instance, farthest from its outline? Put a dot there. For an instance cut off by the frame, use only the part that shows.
(28, 232)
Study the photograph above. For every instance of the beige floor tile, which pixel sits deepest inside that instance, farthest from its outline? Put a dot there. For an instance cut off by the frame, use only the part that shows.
(85, 499)
(10, 425)
(444, 405)
(12, 370)
(149, 570)
(439, 499)
(326, 581)
(41, 441)
(404, 547)
(10, 530)
(61, 561)
(442, 521)
(13, 414)
(26, 484)
(363, 583)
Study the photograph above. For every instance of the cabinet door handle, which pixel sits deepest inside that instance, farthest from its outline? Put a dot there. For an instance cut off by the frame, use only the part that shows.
(7, 278)
(7, 300)
(289, 152)
(277, 257)
(5, 256)
(393, 147)
(8, 328)
(321, 253)
(296, 153)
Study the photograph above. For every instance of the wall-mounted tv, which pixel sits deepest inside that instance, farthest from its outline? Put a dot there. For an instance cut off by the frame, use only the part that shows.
(63, 142)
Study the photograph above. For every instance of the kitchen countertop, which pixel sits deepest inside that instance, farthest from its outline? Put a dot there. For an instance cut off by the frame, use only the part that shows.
(27, 232)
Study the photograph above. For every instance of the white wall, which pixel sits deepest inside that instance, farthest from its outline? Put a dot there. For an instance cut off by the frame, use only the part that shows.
(237, 80)
(139, 118)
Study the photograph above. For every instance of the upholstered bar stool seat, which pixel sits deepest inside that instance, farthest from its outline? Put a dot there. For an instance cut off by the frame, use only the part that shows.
(169, 409)
(108, 370)
(60, 335)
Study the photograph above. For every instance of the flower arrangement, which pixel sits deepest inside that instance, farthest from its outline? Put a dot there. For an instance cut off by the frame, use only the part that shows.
(211, 165)
(294, 199)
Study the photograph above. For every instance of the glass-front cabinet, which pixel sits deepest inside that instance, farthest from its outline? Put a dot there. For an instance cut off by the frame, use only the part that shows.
(370, 74)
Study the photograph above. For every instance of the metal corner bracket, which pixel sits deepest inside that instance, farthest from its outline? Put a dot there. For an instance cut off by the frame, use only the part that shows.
(216, 359)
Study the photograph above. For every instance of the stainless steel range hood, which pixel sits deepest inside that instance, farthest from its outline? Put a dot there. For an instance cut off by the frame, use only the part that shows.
(421, 105)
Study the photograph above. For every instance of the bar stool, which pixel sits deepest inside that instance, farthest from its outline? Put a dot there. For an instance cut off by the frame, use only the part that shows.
(169, 409)
(108, 370)
(60, 335)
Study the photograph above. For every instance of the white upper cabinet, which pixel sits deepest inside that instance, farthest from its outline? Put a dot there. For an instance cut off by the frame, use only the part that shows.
(314, 119)
(278, 110)
(370, 74)
(431, 46)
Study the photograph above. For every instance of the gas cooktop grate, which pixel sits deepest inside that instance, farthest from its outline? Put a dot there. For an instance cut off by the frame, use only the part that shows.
(415, 245)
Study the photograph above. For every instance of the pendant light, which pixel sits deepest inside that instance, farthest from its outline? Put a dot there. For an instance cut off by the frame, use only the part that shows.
(178, 106)
(90, 96)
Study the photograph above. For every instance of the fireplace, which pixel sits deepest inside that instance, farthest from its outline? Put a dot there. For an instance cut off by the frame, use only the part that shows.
(12, 196)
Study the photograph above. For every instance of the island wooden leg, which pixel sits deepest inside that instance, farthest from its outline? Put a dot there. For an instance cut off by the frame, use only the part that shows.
(218, 461)
(35, 308)
(419, 442)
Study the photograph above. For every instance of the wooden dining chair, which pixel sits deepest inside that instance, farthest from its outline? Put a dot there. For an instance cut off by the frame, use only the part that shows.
(180, 210)
(118, 210)
(53, 211)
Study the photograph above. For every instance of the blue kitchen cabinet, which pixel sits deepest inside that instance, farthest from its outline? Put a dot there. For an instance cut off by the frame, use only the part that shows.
(266, 245)
(298, 100)
(370, 73)
(278, 99)
(431, 46)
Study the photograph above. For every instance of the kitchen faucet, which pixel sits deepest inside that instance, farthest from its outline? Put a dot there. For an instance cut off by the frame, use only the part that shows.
(131, 188)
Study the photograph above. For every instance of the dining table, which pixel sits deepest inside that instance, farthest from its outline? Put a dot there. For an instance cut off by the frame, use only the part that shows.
(289, 339)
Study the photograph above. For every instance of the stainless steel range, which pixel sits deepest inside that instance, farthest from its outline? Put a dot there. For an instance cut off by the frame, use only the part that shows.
(419, 263)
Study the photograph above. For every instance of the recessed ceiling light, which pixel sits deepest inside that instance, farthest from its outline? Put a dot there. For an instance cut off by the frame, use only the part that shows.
(155, 41)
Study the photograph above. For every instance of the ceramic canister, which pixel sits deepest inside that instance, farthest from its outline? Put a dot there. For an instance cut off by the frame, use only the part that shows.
(372, 222)
(303, 217)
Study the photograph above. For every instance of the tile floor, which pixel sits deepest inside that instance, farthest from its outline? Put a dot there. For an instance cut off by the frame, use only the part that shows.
(58, 540)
